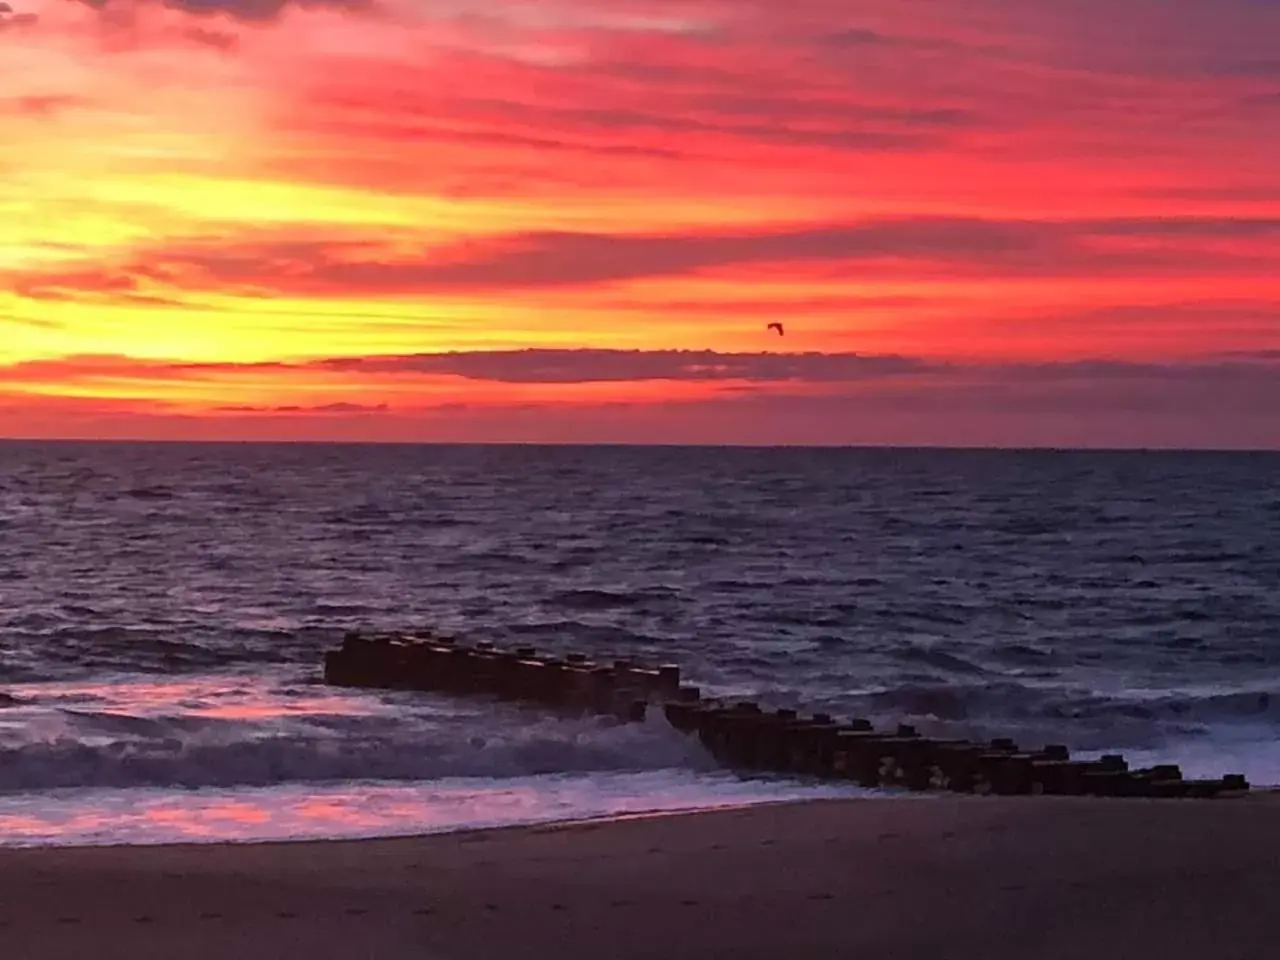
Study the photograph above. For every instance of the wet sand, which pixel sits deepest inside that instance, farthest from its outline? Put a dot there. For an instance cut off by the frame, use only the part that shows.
(943, 878)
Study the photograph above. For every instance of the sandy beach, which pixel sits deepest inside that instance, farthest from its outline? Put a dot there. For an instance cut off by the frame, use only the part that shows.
(936, 877)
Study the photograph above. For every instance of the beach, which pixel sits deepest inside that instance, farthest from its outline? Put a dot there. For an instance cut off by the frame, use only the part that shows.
(904, 878)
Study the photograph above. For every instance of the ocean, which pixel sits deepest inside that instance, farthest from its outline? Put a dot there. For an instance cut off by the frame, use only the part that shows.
(164, 610)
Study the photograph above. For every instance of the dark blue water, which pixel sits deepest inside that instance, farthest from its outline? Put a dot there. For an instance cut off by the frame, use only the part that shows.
(1105, 600)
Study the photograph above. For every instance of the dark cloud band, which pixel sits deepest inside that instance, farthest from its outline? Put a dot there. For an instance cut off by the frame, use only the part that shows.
(604, 365)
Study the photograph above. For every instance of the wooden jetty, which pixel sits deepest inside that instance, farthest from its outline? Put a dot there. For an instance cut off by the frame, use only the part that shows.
(744, 736)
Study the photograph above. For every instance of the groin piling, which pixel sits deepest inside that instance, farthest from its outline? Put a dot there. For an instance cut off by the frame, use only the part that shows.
(744, 736)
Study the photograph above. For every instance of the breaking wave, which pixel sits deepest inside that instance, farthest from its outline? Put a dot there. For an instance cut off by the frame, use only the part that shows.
(110, 751)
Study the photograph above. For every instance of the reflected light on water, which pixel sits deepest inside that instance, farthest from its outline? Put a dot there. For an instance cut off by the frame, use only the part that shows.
(295, 812)
(231, 698)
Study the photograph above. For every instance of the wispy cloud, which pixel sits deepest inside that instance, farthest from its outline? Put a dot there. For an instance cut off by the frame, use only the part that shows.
(15, 19)
(247, 10)
(923, 245)
(325, 409)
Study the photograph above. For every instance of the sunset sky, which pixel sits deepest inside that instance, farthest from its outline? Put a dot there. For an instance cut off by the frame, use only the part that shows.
(989, 222)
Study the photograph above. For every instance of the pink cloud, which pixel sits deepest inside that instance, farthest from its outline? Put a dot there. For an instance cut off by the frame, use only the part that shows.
(893, 247)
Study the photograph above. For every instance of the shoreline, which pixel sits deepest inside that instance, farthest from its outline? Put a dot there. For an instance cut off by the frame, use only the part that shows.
(1053, 878)
(368, 810)
(604, 818)
(1264, 794)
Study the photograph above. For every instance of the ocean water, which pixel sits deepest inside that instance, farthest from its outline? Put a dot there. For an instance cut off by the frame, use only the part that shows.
(164, 610)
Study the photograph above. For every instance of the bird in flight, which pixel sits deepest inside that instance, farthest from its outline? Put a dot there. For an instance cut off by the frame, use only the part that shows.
(775, 326)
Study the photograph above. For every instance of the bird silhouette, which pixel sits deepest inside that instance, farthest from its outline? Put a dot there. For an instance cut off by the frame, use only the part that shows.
(775, 326)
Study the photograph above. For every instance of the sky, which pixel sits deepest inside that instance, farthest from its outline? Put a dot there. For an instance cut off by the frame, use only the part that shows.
(979, 222)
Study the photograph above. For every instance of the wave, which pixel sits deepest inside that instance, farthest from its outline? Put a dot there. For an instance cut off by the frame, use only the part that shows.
(142, 753)
(1243, 706)
(1025, 654)
(607, 599)
(40, 651)
(148, 493)
(1014, 700)
(601, 637)
(951, 701)
(933, 657)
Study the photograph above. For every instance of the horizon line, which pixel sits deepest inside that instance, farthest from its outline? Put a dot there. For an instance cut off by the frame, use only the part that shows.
(622, 444)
